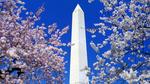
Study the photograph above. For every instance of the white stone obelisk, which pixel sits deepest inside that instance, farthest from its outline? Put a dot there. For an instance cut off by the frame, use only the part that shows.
(78, 49)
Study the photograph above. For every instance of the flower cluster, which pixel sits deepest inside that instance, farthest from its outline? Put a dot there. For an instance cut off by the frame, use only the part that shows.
(127, 57)
(29, 52)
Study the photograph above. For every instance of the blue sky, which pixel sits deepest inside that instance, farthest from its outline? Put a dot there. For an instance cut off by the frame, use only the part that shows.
(60, 12)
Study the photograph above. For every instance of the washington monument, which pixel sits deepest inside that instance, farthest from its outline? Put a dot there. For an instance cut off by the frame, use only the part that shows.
(78, 60)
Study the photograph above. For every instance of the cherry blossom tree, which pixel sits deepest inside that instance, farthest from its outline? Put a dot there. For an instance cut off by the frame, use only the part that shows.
(126, 28)
(28, 52)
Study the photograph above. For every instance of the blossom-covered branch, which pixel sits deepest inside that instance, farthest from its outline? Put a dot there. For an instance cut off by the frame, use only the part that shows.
(128, 55)
(25, 53)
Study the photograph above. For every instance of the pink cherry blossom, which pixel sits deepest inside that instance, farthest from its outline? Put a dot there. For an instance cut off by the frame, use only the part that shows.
(24, 46)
